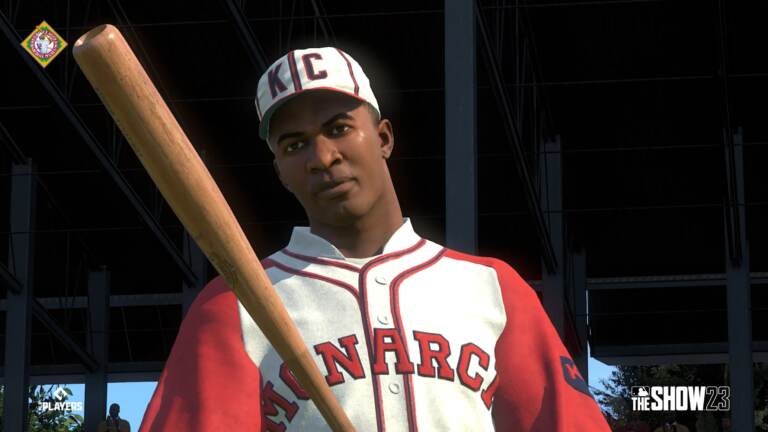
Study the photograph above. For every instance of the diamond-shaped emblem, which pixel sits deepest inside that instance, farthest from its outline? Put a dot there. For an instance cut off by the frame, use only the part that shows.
(60, 393)
(44, 44)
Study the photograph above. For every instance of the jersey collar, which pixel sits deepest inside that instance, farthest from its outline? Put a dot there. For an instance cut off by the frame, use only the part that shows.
(304, 242)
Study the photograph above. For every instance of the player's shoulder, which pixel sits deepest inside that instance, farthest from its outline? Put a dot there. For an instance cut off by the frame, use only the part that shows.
(515, 291)
(218, 290)
(217, 293)
(502, 269)
(214, 289)
(475, 259)
(269, 262)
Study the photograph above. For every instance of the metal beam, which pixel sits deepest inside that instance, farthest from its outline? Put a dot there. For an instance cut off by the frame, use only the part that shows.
(739, 304)
(581, 317)
(90, 140)
(22, 224)
(513, 137)
(325, 25)
(81, 302)
(460, 126)
(16, 154)
(138, 376)
(124, 23)
(252, 46)
(74, 372)
(18, 317)
(668, 281)
(63, 336)
(695, 353)
(9, 281)
(732, 219)
(549, 171)
(199, 263)
(98, 326)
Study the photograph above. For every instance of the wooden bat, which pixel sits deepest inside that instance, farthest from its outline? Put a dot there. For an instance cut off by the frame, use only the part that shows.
(165, 151)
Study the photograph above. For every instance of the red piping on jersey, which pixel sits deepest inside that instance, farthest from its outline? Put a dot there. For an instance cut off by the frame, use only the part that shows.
(489, 392)
(323, 261)
(394, 302)
(380, 426)
(294, 72)
(351, 72)
(310, 275)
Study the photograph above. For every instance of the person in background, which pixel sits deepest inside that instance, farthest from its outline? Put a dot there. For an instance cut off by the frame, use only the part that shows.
(672, 425)
(725, 422)
(113, 422)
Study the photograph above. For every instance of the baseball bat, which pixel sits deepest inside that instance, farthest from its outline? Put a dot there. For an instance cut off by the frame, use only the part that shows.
(165, 151)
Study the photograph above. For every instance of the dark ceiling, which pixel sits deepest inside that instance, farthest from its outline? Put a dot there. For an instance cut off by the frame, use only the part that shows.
(639, 93)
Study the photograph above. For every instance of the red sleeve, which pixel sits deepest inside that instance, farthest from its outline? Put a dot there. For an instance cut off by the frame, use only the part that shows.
(209, 382)
(537, 387)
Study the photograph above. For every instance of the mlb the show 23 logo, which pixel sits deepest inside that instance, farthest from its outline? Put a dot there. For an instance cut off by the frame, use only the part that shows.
(681, 398)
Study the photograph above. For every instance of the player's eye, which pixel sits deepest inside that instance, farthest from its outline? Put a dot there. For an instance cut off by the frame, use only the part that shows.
(337, 129)
(293, 146)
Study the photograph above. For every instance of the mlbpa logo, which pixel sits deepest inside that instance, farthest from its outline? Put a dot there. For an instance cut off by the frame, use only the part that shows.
(60, 393)
(60, 403)
(681, 398)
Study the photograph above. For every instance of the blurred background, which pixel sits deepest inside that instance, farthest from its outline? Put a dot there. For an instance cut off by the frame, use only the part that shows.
(612, 151)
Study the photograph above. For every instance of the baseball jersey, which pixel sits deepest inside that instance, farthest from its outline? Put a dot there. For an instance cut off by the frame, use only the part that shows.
(420, 337)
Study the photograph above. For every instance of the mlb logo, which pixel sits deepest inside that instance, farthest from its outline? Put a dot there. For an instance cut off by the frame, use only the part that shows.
(640, 391)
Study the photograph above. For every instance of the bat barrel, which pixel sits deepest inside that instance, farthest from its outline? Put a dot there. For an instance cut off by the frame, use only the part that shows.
(165, 151)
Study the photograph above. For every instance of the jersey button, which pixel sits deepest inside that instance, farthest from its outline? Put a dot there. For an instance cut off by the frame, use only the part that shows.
(381, 279)
(383, 319)
(394, 388)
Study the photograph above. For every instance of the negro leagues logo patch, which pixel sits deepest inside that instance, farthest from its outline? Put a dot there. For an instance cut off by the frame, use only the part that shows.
(681, 398)
(44, 44)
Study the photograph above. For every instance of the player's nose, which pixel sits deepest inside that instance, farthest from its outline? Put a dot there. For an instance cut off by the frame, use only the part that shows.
(323, 154)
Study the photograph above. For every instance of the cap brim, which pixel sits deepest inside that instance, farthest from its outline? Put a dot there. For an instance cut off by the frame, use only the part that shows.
(264, 125)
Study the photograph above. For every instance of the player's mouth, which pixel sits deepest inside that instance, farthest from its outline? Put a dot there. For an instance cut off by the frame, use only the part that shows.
(335, 188)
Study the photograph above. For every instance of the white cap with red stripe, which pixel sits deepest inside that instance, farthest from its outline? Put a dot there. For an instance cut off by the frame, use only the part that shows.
(298, 71)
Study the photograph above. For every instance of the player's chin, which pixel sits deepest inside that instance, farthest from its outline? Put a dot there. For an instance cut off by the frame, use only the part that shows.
(343, 212)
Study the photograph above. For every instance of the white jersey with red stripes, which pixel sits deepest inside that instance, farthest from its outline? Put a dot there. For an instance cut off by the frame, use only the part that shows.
(419, 337)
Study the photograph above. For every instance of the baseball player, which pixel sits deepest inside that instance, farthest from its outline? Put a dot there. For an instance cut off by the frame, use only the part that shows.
(409, 334)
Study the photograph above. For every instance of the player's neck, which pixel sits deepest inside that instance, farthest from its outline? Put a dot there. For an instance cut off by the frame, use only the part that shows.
(367, 235)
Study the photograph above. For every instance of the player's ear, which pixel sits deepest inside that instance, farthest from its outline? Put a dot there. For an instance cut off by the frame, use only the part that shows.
(280, 176)
(387, 138)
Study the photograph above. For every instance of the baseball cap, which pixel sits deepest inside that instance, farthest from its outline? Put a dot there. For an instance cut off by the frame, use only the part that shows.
(299, 71)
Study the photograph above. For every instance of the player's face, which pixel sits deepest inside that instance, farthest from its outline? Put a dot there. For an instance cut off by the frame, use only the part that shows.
(331, 154)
